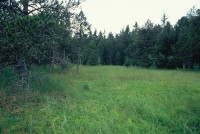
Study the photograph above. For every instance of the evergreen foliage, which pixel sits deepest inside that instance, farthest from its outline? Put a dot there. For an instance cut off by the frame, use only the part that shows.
(50, 33)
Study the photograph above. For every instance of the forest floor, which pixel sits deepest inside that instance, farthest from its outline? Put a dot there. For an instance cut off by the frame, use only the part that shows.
(103, 99)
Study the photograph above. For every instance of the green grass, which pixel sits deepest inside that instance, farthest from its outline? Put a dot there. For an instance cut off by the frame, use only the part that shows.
(107, 99)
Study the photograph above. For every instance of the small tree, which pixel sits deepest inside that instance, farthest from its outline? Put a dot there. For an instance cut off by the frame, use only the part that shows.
(91, 54)
(81, 30)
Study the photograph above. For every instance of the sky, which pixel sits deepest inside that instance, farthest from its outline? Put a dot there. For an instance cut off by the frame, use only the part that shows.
(113, 15)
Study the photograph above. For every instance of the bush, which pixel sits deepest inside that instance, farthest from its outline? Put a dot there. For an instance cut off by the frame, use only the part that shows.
(7, 76)
(196, 67)
(128, 62)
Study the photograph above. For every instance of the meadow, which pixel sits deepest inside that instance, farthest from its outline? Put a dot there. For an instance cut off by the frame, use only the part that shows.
(103, 100)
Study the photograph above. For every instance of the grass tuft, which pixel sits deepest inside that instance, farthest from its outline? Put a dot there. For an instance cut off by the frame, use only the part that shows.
(86, 87)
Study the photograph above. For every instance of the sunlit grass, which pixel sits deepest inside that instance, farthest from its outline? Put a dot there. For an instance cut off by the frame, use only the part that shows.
(110, 99)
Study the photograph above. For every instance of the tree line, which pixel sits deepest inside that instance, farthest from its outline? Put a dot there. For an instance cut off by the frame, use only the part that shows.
(49, 32)
(152, 45)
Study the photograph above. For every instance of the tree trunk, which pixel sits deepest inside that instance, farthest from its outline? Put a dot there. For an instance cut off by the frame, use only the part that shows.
(184, 66)
(21, 66)
(63, 64)
(25, 6)
(53, 60)
(78, 59)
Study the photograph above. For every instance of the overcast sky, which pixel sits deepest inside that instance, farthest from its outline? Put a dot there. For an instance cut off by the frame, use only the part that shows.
(113, 15)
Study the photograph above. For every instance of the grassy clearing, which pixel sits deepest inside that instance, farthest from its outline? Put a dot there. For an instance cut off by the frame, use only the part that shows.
(107, 99)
